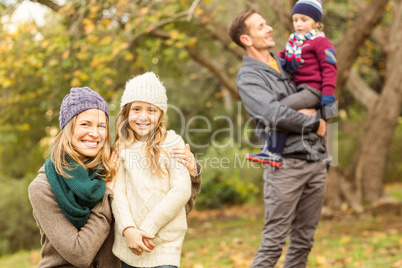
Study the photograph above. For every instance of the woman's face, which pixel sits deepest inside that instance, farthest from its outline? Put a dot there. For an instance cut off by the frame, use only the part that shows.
(143, 118)
(90, 132)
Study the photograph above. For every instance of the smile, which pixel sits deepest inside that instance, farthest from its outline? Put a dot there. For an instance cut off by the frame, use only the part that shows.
(142, 125)
(91, 144)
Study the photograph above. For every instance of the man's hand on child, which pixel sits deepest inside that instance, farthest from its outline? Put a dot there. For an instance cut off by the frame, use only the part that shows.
(308, 112)
(322, 128)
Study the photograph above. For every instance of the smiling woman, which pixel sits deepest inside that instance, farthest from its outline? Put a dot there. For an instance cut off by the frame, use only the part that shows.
(71, 195)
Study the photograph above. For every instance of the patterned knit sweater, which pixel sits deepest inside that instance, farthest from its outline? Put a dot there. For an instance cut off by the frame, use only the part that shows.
(319, 69)
(154, 204)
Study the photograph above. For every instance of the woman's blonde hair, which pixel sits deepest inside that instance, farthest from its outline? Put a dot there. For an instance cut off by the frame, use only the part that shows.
(62, 146)
(125, 136)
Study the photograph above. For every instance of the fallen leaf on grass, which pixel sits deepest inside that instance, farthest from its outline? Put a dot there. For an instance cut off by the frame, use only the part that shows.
(346, 239)
(320, 260)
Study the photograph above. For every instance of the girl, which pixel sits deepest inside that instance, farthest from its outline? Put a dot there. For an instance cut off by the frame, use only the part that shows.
(71, 195)
(152, 188)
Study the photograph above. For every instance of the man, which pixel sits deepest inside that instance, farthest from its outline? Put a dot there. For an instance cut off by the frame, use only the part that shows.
(294, 193)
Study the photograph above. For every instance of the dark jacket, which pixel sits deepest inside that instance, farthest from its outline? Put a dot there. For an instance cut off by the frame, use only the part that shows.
(261, 88)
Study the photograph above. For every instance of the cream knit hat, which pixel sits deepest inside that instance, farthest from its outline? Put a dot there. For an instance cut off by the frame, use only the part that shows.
(147, 88)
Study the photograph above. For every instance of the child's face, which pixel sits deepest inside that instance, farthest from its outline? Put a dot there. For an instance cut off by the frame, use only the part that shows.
(90, 132)
(143, 118)
(302, 23)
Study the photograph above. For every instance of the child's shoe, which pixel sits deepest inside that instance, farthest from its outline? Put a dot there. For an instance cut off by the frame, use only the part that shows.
(266, 157)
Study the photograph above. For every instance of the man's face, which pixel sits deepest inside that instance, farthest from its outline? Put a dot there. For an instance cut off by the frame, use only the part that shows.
(259, 32)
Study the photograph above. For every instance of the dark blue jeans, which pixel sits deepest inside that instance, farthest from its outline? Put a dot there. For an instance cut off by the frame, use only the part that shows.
(124, 265)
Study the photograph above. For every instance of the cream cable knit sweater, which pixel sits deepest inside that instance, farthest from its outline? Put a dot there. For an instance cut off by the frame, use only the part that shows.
(151, 203)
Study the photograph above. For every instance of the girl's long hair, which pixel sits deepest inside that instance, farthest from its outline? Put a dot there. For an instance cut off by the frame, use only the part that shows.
(62, 146)
(125, 136)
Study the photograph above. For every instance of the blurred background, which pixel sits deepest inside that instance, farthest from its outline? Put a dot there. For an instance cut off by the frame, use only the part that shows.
(49, 46)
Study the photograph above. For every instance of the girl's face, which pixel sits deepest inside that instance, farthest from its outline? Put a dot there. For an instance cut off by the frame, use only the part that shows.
(302, 23)
(89, 132)
(143, 118)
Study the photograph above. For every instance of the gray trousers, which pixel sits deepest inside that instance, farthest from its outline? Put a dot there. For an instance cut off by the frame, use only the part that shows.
(293, 197)
(307, 98)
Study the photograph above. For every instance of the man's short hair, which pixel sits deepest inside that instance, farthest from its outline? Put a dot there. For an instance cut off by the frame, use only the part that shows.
(237, 27)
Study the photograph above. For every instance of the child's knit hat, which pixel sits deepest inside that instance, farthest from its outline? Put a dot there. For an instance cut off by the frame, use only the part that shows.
(79, 100)
(311, 8)
(147, 88)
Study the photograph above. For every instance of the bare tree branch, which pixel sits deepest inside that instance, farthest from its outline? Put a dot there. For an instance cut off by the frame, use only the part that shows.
(50, 4)
(192, 9)
(220, 32)
(348, 48)
(380, 35)
(157, 25)
(284, 17)
(220, 74)
(361, 91)
(204, 61)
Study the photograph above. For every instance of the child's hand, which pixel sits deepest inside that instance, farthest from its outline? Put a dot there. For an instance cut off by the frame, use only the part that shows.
(184, 156)
(149, 243)
(135, 243)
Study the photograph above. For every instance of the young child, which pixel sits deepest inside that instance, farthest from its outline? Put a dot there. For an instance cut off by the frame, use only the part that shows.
(310, 57)
(151, 188)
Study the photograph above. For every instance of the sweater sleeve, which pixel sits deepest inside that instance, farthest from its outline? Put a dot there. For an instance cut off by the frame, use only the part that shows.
(78, 247)
(325, 52)
(282, 53)
(120, 204)
(260, 102)
(175, 200)
(195, 189)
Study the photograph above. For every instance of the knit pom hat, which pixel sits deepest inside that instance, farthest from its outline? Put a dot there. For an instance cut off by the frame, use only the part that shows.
(79, 100)
(147, 88)
(311, 8)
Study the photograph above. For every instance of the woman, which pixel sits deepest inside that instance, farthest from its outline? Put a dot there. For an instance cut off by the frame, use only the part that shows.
(72, 193)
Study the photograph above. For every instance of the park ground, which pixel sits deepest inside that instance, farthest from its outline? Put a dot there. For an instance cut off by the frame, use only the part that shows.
(229, 238)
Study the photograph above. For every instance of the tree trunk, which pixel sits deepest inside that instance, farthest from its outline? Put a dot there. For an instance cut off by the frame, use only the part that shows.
(382, 120)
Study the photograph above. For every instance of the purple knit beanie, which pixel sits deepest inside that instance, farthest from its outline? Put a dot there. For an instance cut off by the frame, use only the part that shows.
(79, 100)
(311, 8)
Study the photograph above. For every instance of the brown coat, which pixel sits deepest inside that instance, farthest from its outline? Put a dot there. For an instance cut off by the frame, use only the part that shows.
(62, 244)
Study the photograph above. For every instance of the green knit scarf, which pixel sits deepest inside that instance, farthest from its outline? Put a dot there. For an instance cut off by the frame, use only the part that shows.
(78, 194)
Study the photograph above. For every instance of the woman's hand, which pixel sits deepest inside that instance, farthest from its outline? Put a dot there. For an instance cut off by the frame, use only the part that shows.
(138, 241)
(184, 156)
(115, 159)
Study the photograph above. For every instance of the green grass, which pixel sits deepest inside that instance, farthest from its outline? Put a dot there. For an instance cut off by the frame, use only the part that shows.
(230, 237)
(344, 241)
(22, 259)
